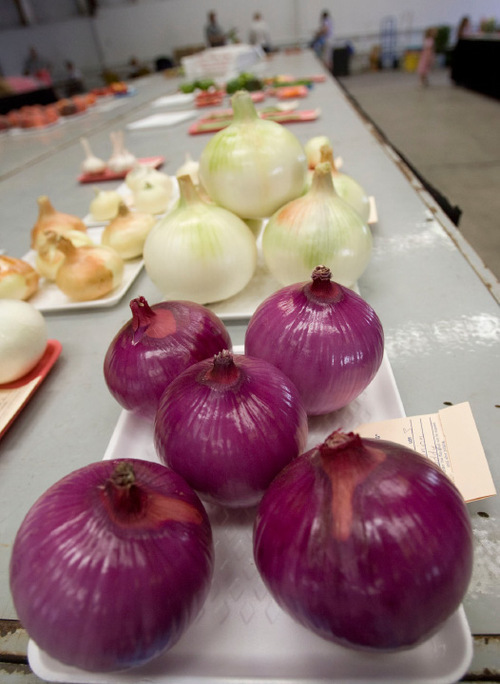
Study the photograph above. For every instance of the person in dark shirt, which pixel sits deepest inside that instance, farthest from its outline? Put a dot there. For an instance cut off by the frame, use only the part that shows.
(214, 34)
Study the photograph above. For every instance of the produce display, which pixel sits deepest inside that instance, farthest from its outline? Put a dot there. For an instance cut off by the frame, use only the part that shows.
(362, 542)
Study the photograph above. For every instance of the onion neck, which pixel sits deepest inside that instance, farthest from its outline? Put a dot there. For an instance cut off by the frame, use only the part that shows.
(45, 208)
(326, 155)
(322, 181)
(145, 321)
(224, 373)
(243, 107)
(347, 462)
(322, 289)
(188, 193)
(127, 499)
(129, 503)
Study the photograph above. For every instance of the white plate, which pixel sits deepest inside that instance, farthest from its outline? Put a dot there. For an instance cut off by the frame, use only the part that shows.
(50, 298)
(241, 634)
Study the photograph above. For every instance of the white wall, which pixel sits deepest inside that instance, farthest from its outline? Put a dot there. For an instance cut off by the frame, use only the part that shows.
(148, 28)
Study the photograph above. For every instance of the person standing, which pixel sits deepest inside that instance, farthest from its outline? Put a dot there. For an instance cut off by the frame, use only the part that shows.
(427, 56)
(322, 42)
(214, 34)
(259, 33)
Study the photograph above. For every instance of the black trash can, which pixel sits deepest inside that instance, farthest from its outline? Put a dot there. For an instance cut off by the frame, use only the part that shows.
(341, 58)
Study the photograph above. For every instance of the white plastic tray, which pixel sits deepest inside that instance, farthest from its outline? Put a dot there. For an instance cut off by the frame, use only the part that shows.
(241, 634)
(50, 298)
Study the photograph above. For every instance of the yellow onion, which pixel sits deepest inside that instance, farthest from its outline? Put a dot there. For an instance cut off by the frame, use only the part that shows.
(51, 219)
(88, 272)
(18, 279)
(127, 232)
(317, 228)
(49, 257)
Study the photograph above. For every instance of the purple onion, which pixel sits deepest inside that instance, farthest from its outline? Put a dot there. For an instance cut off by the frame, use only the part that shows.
(323, 336)
(155, 346)
(112, 564)
(365, 542)
(228, 425)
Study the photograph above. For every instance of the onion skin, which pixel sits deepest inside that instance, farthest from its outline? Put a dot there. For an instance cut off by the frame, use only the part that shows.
(157, 344)
(102, 585)
(18, 279)
(228, 426)
(323, 336)
(88, 272)
(49, 219)
(365, 542)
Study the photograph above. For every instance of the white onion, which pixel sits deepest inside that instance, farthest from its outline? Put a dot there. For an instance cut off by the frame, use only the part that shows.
(317, 228)
(105, 204)
(199, 251)
(23, 338)
(253, 166)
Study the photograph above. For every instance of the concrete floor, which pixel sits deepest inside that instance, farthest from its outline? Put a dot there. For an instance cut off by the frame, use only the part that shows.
(451, 136)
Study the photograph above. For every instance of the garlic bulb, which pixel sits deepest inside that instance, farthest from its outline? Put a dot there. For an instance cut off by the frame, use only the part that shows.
(127, 232)
(53, 220)
(49, 258)
(23, 340)
(91, 164)
(105, 204)
(88, 272)
(317, 228)
(199, 251)
(313, 149)
(152, 198)
(346, 187)
(18, 279)
(121, 159)
(253, 166)
(189, 168)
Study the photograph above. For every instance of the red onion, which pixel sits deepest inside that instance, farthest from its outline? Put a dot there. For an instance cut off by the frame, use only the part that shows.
(323, 336)
(228, 425)
(365, 542)
(112, 564)
(155, 346)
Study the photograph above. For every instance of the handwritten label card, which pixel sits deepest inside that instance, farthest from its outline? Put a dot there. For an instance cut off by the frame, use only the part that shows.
(450, 439)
